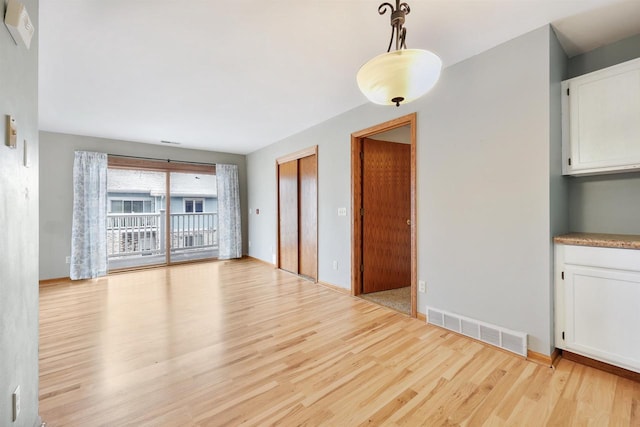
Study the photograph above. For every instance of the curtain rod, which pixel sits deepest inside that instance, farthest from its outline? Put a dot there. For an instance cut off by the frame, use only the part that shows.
(161, 160)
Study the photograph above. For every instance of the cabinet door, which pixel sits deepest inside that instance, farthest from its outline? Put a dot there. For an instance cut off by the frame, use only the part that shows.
(603, 110)
(602, 314)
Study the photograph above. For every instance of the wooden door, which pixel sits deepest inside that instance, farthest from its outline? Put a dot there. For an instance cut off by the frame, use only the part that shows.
(308, 216)
(386, 226)
(288, 215)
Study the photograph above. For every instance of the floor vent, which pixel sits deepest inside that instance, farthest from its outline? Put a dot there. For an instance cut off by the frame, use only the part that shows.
(515, 342)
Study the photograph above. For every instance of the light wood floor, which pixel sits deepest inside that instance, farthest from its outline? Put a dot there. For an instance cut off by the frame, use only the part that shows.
(237, 342)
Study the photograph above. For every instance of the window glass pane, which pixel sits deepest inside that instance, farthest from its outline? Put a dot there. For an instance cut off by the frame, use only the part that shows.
(116, 206)
(132, 241)
(193, 237)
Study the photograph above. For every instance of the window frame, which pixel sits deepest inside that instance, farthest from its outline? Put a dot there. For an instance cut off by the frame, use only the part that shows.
(149, 199)
(194, 200)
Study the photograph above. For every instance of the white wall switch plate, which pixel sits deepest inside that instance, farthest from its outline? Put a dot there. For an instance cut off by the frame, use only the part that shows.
(422, 286)
(335, 264)
(342, 211)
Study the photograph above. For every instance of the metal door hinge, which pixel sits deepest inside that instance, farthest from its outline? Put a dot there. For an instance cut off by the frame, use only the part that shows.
(562, 334)
(569, 161)
(362, 155)
(563, 275)
(361, 211)
(362, 268)
(567, 91)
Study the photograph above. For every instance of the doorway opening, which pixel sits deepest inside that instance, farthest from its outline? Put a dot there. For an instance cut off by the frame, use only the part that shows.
(384, 255)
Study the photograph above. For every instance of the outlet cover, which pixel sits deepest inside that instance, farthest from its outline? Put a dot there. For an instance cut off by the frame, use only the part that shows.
(335, 264)
(422, 286)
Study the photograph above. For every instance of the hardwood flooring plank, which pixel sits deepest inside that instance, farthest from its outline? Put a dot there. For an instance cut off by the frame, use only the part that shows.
(240, 343)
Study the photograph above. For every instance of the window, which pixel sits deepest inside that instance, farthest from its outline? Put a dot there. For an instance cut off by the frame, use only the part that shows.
(131, 206)
(193, 205)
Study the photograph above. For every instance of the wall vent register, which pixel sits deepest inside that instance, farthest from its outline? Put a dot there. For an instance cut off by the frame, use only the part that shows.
(515, 342)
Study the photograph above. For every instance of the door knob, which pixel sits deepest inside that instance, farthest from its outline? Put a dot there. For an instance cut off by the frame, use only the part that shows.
(408, 222)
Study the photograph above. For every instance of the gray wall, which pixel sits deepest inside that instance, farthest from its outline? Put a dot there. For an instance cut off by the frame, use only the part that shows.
(56, 184)
(18, 227)
(605, 203)
(483, 166)
(605, 56)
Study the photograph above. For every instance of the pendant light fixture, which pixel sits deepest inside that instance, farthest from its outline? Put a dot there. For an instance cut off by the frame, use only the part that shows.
(402, 75)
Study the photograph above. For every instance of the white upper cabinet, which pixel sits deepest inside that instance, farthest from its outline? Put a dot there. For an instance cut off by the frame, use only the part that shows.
(601, 121)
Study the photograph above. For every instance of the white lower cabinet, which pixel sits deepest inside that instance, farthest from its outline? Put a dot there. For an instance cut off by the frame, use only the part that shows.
(598, 303)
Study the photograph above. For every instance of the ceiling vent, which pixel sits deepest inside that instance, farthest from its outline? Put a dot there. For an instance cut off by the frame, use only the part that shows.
(515, 342)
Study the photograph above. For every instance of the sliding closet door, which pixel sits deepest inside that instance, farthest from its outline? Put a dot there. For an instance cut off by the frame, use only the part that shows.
(298, 212)
(288, 212)
(308, 215)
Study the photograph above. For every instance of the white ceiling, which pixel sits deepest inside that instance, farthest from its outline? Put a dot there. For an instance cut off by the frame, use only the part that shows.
(239, 75)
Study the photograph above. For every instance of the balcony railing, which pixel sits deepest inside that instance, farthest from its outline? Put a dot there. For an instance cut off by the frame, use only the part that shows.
(193, 231)
(130, 235)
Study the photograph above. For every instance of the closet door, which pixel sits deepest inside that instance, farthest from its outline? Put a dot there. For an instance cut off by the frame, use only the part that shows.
(297, 175)
(288, 212)
(308, 197)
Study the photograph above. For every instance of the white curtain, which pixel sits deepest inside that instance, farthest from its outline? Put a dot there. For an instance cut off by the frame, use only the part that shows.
(229, 226)
(89, 226)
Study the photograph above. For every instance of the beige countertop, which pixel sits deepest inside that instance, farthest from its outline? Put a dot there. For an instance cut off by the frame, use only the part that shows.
(623, 241)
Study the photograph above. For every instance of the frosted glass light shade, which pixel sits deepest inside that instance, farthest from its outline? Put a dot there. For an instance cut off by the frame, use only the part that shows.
(399, 76)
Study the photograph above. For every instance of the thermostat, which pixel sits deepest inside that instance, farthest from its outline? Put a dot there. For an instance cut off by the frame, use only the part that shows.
(18, 22)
